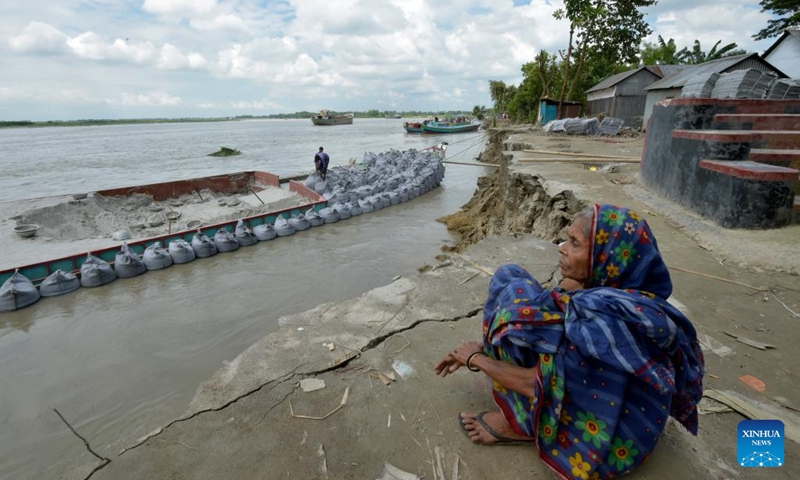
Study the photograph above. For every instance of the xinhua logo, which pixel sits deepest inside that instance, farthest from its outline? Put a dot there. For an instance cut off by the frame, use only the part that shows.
(760, 443)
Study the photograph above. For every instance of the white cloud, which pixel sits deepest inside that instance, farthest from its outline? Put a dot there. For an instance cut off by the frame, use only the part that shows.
(8, 94)
(345, 55)
(221, 22)
(710, 23)
(92, 46)
(179, 8)
(263, 104)
(171, 58)
(39, 37)
(152, 99)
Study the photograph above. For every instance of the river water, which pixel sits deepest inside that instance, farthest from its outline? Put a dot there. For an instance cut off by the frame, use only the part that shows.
(124, 359)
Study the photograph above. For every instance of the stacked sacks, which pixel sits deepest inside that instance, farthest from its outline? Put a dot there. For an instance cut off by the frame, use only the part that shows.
(202, 245)
(244, 236)
(329, 215)
(156, 257)
(365, 206)
(355, 209)
(127, 263)
(388, 179)
(265, 232)
(314, 218)
(96, 272)
(375, 200)
(17, 292)
(225, 241)
(283, 228)
(300, 222)
(181, 251)
(341, 210)
(59, 283)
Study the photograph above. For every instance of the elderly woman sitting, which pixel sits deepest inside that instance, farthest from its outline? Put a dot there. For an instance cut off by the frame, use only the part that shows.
(588, 371)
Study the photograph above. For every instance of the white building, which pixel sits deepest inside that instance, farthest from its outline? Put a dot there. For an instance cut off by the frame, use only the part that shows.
(785, 53)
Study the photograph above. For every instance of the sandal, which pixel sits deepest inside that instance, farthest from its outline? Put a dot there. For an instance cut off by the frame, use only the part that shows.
(501, 440)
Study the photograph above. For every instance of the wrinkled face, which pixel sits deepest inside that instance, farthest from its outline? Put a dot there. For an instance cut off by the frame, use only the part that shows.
(574, 259)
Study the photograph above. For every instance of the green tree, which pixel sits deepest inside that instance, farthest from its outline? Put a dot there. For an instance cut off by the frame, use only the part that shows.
(661, 53)
(697, 55)
(788, 12)
(479, 111)
(600, 28)
(501, 94)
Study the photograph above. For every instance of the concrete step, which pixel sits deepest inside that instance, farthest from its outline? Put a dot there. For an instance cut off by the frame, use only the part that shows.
(783, 158)
(764, 139)
(731, 105)
(760, 121)
(748, 170)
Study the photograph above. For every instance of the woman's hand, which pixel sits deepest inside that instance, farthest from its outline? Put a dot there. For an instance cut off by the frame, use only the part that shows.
(457, 358)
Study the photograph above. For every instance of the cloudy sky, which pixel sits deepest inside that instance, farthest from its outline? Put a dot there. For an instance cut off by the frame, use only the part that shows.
(71, 59)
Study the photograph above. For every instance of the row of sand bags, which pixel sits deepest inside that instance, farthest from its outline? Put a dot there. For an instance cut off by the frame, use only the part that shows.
(18, 291)
(376, 174)
(365, 199)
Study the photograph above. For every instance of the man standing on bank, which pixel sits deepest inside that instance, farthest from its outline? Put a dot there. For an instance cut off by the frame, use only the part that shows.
(321, 160)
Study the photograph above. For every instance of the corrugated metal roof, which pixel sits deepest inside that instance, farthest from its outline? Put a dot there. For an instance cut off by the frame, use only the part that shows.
(716, 66)
(614, 79)
(665, 71)
(662, 71)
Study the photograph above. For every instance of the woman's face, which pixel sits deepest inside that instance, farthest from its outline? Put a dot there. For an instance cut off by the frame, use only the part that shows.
(574, 260)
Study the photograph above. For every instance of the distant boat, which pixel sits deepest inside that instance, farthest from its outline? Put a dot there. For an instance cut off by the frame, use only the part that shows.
(397, 115)
(326, 118)
(450, 127)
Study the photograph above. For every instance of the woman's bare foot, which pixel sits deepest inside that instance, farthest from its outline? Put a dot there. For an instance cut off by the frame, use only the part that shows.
(498, 431)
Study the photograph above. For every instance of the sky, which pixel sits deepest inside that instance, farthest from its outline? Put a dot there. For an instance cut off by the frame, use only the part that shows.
(78, 59)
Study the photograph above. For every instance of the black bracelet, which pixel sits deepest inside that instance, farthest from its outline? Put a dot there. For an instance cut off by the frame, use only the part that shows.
(469, 362)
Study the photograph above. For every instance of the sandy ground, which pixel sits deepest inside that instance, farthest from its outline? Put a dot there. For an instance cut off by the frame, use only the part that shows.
(239, 424)
(68, 226)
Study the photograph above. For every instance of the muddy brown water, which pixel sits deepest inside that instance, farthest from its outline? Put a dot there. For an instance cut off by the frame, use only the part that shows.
(121, 360)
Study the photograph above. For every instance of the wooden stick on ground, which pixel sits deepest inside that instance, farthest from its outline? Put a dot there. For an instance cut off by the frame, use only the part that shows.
(473, 164)
(342, 404)
(580, 160)
(485, 270)
(575, 154)
(701, 274)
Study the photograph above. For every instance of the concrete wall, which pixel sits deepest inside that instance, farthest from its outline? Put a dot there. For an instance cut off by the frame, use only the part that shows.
(786, 56)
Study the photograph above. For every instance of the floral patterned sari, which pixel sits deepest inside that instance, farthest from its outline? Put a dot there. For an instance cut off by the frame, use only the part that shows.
(612, 362)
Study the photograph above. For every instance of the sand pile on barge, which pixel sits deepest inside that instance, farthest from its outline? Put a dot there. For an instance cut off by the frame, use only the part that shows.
(68, 226)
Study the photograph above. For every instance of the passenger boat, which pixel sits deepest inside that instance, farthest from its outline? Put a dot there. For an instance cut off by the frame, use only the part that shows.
(450, 127)
(239, 183)
(326, 118)
(413, 127)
